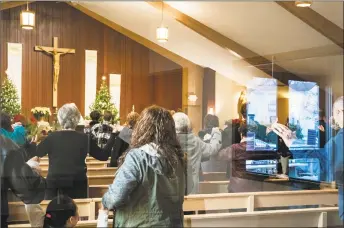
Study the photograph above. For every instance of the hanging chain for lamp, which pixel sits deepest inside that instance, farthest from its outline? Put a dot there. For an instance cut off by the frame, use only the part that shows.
(162, 12)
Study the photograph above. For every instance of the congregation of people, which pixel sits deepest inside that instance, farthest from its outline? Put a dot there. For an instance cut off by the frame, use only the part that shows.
(160, 159)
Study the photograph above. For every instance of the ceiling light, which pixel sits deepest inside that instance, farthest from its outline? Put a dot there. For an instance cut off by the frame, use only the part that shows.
(162, 34)
(27, 18)
(303, 3)
(162, 31)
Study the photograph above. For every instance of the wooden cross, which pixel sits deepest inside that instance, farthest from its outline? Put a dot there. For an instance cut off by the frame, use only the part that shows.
(56, 52)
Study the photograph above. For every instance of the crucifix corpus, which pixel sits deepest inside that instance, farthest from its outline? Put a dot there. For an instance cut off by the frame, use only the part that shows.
(56, 52)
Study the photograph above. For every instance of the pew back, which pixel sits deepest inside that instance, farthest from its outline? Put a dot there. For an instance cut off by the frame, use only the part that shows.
(18, 213)
(252, 200)
(316, 217)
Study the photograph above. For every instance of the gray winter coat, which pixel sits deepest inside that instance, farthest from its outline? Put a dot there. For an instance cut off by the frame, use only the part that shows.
(142, 194)
(198, 151)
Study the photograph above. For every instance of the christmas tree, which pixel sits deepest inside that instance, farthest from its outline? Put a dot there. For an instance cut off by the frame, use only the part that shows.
(103, 101)
(9, 100)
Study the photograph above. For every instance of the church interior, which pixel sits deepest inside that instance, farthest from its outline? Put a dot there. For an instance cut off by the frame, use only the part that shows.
(256, 87)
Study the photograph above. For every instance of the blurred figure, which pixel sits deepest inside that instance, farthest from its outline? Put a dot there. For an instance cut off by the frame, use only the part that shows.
(210, 122)
(196, 149)
(211, 165)
(15, 132)
(102, 131)
(67, 150)
(62, 211)
(236, 156)
(149, 187)
(16, 175)
(323, 127)
(122, 141)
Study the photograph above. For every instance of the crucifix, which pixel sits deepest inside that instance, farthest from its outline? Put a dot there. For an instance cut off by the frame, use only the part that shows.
(56, 52)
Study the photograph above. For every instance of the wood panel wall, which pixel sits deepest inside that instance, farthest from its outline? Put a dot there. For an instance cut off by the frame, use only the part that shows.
(117, 54)
(166, 83)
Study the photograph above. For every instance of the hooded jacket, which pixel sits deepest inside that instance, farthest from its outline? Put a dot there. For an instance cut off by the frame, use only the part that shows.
(198, 151)
(122, 143)
(142, 194)
(17, 176)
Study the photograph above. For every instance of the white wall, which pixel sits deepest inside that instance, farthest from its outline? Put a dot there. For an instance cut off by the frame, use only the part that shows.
(227, 93)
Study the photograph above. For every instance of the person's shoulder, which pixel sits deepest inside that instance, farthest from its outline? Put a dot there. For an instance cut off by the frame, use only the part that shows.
(7, 144)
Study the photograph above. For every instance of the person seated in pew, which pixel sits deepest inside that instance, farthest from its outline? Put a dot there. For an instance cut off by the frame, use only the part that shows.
(16, 175)
(67, 151)
(62, 211)
(122, 141)
(195, 148)
(236, 156)
(148, 189)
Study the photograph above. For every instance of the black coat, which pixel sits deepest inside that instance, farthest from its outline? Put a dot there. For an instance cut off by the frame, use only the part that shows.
(122, 143)
(16, 175)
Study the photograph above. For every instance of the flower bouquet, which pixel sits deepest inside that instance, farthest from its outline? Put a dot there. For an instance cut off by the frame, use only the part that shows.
(40, 112)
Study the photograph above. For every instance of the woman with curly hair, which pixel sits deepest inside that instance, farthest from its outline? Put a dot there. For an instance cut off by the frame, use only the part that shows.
(149, 186)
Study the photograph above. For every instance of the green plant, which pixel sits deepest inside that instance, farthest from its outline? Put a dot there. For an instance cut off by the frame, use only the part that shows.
(103, 102)
(9, 100)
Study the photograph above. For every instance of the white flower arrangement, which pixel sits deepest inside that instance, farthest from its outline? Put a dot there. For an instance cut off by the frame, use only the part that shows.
(41, 111)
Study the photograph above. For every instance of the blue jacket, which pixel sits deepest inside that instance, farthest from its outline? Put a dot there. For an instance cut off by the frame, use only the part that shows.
(18, 135)
(339, 154)
(142, 194)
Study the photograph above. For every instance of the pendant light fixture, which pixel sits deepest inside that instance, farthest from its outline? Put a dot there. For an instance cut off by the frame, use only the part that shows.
(162, 32)
(303, 3)
(27, 18)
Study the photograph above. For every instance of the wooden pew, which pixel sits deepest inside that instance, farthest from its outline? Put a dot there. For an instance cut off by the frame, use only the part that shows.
(18, 213)
(215, 176)
(92, 171)
(253, 200)
(212, 187)
(250, 201)
(315, 217)
(96, 164)
(98, 186)
(45, 159)
(100, 180)
(311, 217)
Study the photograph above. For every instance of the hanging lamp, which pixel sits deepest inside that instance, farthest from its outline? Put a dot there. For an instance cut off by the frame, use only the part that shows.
(162, 31)
(27, 18)
(303, 3)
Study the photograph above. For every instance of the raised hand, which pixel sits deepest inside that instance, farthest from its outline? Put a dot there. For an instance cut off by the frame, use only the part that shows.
(321, 128)
(285, 133)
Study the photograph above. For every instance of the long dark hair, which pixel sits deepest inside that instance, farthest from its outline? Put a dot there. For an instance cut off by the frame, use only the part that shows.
(59, 210)
(156, 125)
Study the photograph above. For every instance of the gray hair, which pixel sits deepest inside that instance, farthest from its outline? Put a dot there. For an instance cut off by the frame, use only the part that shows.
(339, 103)
(182, 123)
(68, 116)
